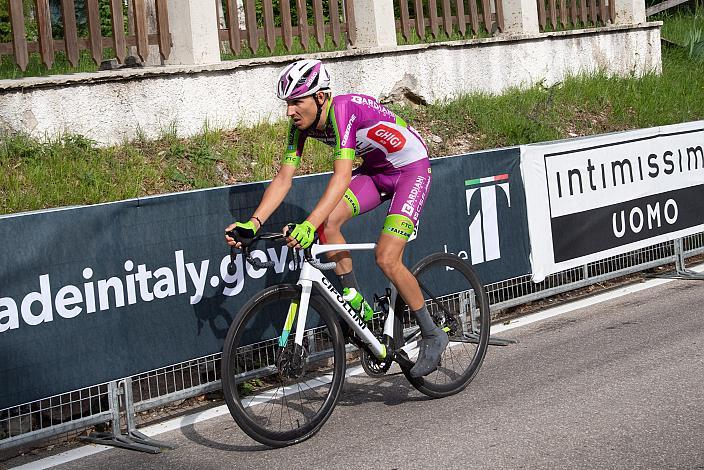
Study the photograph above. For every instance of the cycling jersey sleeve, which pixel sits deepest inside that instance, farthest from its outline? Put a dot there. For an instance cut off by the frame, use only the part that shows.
(294, 146)
(345, 123)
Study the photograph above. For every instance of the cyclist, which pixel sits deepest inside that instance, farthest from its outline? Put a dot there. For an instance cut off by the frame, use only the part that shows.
(394, 166)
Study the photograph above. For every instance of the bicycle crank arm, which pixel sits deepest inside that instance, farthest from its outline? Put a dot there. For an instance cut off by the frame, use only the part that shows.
(402, 360)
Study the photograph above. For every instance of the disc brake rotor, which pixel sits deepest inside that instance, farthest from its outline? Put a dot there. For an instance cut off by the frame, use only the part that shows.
(291, 362)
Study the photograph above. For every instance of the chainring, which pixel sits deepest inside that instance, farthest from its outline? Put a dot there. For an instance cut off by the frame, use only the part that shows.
(373, 366)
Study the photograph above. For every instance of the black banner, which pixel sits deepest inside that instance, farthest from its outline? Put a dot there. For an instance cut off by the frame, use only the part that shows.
(597, 230)
(96, 293)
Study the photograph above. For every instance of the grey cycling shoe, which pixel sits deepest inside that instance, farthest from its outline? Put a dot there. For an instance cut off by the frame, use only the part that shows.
(431, 349)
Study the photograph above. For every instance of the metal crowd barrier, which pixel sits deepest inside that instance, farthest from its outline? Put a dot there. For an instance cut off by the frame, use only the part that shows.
(113, 405)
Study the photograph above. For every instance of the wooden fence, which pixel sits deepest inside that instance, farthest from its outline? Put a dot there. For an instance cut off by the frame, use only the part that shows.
(570, 14)
(466, 17)
(244, 25)
(666, 5)
(71, 44)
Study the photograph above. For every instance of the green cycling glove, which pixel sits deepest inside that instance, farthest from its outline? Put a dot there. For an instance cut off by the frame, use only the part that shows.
(304, 233)
(245, 229)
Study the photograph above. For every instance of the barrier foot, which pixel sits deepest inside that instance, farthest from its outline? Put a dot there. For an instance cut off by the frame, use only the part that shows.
(681, 271)
(496, 341)
(493, 340)
(121, 441)
(682, 274)
(143, 439)
(689, 274)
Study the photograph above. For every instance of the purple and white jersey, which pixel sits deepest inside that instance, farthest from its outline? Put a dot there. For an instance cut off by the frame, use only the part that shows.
(358, 125)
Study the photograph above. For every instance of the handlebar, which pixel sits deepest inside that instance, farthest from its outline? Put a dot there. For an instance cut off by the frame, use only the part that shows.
(322, 266)
(248, 243)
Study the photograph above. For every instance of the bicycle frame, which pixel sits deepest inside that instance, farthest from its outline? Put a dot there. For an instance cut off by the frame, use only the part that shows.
(311, 276)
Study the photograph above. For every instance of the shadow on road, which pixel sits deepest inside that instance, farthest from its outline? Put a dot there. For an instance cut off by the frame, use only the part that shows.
(194, 436)
(392, 389)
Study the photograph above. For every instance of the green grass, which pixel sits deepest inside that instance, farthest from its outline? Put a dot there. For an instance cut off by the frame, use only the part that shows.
(678, 26)
(686, 30)
(442, 36)
(61, 65)
(72, 170)
(579, 106)
(279, 49)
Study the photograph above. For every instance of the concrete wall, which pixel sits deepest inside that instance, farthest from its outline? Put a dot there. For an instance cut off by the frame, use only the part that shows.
(112, 106)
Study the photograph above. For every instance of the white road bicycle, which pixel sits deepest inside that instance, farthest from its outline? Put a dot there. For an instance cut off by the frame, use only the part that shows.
(284, 357)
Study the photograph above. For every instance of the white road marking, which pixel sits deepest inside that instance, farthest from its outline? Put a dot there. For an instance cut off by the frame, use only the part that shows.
(587, 302)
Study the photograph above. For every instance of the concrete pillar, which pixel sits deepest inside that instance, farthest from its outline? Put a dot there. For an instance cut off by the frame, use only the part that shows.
(194, 32)
(629, 11)
(520, 16)
(376, 26)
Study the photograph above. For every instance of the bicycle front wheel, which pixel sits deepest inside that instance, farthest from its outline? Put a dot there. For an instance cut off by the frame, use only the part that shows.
(457, 301)
(277, 392)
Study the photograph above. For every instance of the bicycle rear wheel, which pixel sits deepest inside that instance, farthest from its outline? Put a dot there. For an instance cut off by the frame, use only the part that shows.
(282, 395)
(457, 301)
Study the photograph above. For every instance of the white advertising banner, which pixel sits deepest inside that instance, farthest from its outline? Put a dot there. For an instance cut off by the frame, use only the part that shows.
(596, 197)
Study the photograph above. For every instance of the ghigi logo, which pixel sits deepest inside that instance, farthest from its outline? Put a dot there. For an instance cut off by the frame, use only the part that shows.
(388, 137)
(484, 223)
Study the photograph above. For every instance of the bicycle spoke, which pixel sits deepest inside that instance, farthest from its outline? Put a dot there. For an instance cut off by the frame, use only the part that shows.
(433, 298)
(301, 395)
(288, 411)
(270, 404)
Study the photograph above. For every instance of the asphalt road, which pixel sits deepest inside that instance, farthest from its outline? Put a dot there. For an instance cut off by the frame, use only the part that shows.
(616, 385)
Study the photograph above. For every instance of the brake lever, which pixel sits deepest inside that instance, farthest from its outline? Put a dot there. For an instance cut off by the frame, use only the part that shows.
(231, 268)
(244, 243)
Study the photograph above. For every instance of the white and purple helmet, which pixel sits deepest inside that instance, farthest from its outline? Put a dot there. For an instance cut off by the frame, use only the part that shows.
(302, 78)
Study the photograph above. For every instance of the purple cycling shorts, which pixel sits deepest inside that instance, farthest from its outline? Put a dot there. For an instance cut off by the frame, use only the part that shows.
(407, 187)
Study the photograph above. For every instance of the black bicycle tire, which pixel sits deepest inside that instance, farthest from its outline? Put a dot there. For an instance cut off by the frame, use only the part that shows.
(436, 390)
(229, 386)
